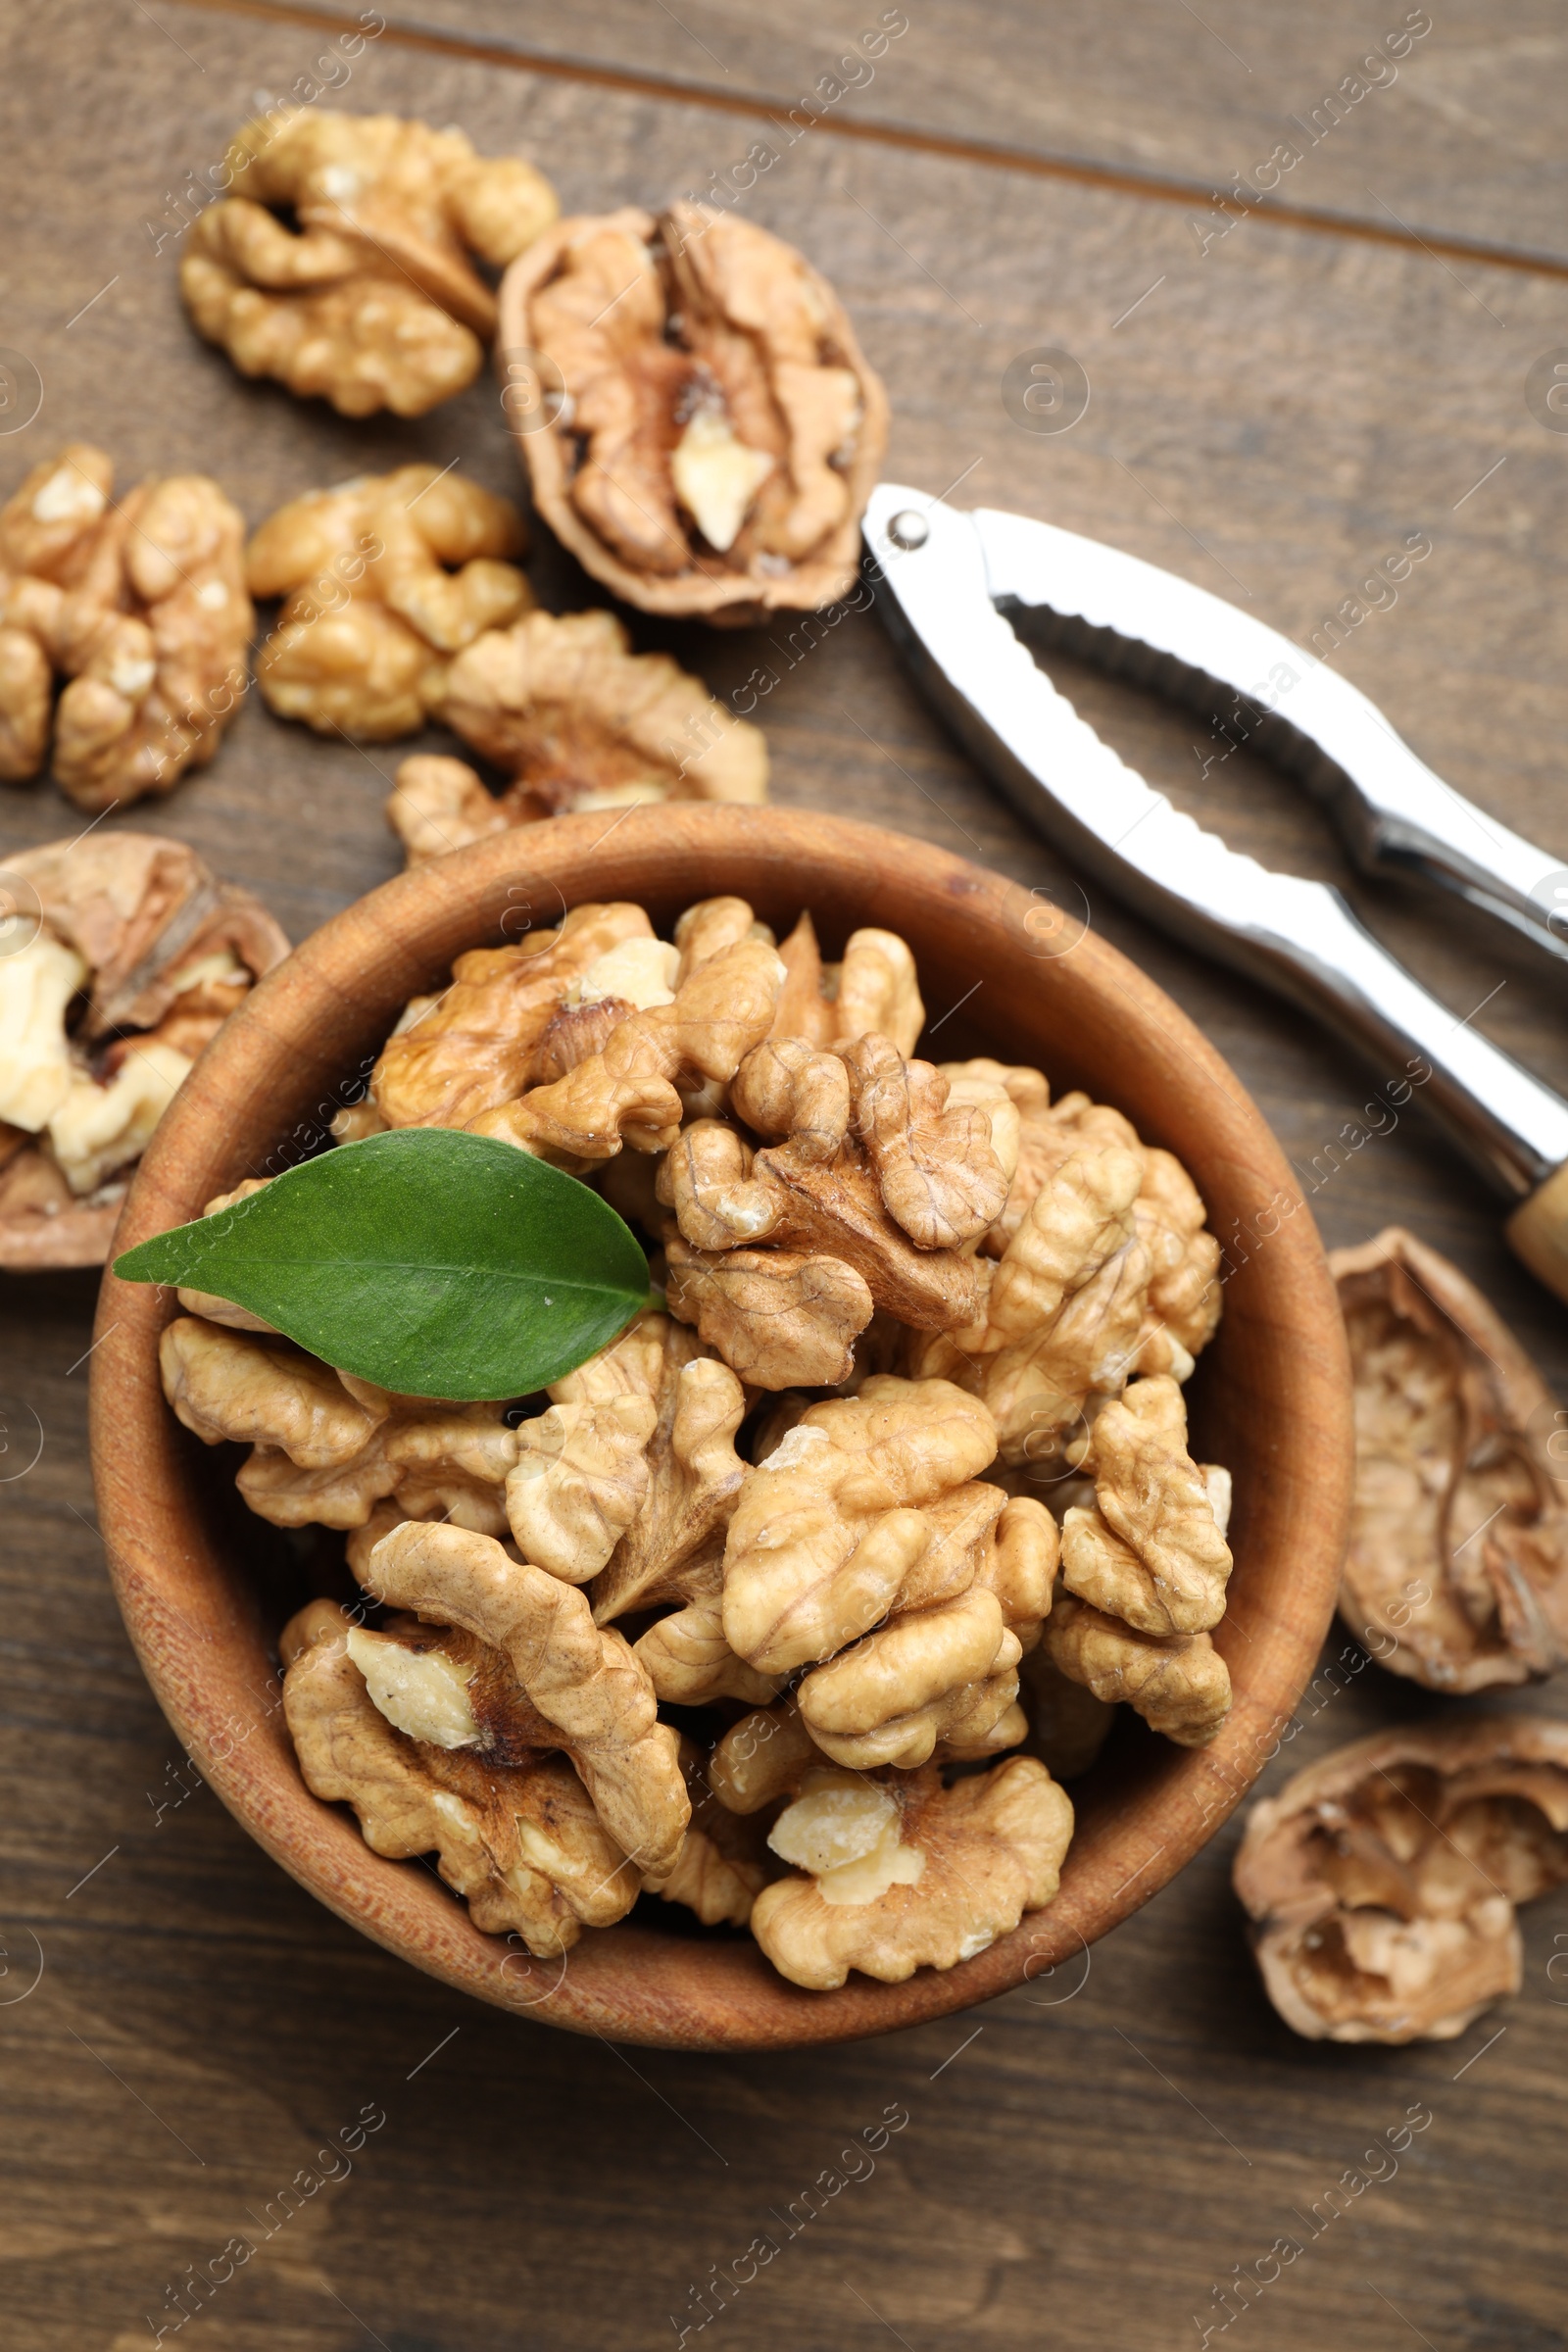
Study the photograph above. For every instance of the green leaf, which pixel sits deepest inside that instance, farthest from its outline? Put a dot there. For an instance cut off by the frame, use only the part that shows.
(430, 1261)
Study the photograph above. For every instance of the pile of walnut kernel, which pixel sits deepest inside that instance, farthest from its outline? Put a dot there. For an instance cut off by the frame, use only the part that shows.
(757, 1609)
(402, 602)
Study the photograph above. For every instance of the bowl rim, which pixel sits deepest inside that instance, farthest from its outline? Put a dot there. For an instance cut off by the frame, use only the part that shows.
(197, 1625)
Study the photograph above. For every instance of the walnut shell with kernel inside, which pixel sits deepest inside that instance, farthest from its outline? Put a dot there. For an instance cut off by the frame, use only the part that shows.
(717, 431)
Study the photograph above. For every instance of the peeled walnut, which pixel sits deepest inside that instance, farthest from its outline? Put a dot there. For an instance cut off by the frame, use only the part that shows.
(694, 1477)
(1181, 1311)
(630, 1091)
(1183, 1300)
(935, 1167)
(1060, 1311)
(629, 1477)
(1179, 1685)
(668, 1546)
(140, 957)
(762, 1757)
(777, 1317)
(1381, 1880)
(477, 1044)
(328, 1448)
(816, 1206)
(578, 721)
(140, 604)
(1063, 1309)
(1150, 1549)
(583, 1680)
(939, 1677)
(437, 803)
(944, 1673)
(1049, 1133)
(1458, 1551)
(518, 1840)
(340, 262)
(384, 579)
(719, 431)
(905, 1874)
(688, 1658)
(868, 1502)
(875, 988)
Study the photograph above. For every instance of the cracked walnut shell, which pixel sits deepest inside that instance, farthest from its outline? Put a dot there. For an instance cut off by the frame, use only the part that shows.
(384, 578)
(140, 604)
(139, 958)
(340, 261)
(717, 431)
(905, 1874)
(1458, 1550)
(1381, 1880)
(518, 1840)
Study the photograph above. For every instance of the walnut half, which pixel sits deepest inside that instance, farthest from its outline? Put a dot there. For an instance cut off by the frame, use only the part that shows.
(384, 579)
(578, 721)
(517, 1837)
(901, 1873)
(718, 431)
(1381, 1880)
(339, 262)
(139, 603)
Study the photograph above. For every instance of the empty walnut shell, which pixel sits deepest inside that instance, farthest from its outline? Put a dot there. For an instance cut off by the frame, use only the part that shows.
(1382, 1880)
(1457, 1568)
(716, 429)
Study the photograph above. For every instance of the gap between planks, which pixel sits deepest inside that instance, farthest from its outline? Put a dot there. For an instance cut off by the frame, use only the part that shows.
(514, 57)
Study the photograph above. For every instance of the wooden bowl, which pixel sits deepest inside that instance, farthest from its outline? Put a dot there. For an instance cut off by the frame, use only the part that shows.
(1271, 1397)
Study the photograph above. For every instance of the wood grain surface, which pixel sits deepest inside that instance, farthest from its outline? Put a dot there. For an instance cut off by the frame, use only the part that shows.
(183, 2027)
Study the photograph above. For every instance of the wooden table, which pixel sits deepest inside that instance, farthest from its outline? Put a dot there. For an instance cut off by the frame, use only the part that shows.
(1083, 2164)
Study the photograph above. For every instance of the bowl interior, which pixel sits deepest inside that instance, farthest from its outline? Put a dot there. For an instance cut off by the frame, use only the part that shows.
(204, 1591)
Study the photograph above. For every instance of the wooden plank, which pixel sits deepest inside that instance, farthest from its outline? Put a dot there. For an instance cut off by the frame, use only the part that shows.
(1444, 131)
(1088, 2170)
